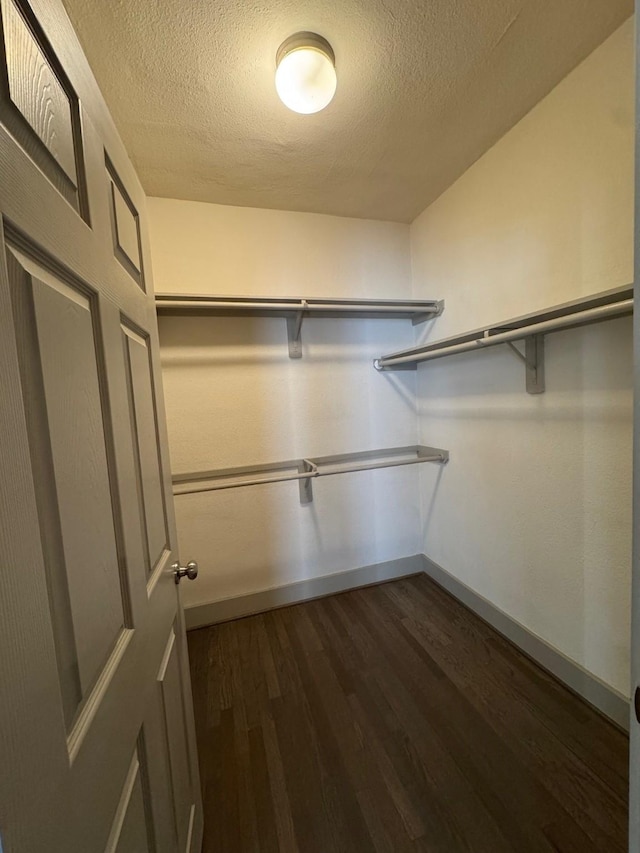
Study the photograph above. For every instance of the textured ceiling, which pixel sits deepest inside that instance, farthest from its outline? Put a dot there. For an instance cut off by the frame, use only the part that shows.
(424, 88)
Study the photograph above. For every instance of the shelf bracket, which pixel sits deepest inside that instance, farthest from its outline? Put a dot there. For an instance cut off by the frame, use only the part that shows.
(429, 451)
(294, 330)
(431, 315)
(306, 486)
(533, 358)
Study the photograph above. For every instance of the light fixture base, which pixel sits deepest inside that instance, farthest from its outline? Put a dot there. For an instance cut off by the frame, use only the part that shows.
(301, 40)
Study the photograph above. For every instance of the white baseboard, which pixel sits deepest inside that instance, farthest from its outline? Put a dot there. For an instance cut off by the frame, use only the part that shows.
(280, 596)
(606, 699)
(603, 697)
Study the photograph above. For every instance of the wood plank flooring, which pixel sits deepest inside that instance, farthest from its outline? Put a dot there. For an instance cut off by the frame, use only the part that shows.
(392, 719)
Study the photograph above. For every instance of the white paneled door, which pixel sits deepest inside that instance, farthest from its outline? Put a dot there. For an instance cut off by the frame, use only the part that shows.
(97, 748)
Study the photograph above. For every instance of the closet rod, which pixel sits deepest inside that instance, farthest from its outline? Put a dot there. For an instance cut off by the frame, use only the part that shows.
(436, 457)
(307, 475)
(580, 318)
(258, 481)
(304, 470)
(164, 303)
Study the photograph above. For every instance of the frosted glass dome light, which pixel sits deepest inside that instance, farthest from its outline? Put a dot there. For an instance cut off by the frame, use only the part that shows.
(305, 73)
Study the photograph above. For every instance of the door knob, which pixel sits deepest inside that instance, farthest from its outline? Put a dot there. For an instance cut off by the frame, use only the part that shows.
(189, 571)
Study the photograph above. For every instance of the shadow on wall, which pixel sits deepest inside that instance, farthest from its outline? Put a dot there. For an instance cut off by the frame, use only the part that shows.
(429, 495)
(367, 517)
(219, 416)
(535, 511)
(235, 398)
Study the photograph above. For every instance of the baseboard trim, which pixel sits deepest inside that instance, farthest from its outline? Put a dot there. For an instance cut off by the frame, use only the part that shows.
(604, 698)
(281, 596)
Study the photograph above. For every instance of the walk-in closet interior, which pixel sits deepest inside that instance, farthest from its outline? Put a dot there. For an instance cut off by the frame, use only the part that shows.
(517, 388)
(394, 358)
(532, 510)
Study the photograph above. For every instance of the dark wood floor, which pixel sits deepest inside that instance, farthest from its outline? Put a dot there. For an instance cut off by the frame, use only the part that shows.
(393, 719)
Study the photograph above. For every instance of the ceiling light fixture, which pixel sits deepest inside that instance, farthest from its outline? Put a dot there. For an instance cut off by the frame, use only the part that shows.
(306, 73)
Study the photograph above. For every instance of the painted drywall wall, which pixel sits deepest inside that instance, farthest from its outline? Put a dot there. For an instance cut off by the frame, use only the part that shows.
(234, 398)
(534, 510)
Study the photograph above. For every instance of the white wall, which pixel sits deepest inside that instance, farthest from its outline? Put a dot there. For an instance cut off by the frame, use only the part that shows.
(235, 398)
(534, 509)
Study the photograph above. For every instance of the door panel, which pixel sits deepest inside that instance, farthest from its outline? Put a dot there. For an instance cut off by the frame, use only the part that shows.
(96, 754)
(60, 380)
(75, 421)
(38, 103)
(145, 438)
(175, 726)
(46, 496)
(37, 93)
(130, 831)
(125, 225)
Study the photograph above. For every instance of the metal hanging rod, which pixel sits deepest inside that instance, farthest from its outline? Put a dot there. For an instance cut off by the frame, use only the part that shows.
(531, 329)
(295, 310)
(173, 303)
(305, 470)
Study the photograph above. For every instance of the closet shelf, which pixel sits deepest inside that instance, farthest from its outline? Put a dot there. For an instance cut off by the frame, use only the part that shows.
(294, 311)
(305, 470)
(531, 328)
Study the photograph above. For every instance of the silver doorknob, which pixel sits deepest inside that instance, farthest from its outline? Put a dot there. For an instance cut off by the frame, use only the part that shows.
(189, 571)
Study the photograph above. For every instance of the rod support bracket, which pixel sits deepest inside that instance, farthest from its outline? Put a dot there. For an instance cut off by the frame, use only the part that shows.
(534, 354)
(306, 485)
(533, 359)
(294, 330)
(430, 451)
(514, 349)
(436, 311)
